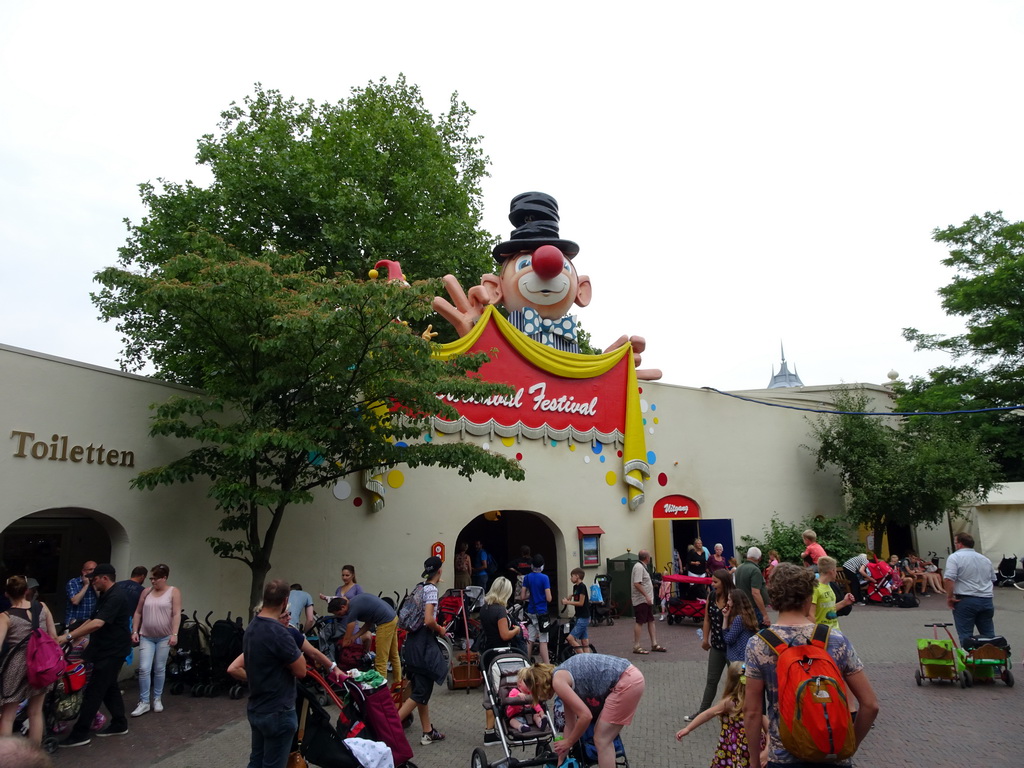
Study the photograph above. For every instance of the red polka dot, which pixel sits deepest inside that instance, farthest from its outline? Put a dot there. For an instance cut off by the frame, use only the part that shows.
(357, 501)
(619, 454)
(640, 390)
(519, 457)
(662, 479)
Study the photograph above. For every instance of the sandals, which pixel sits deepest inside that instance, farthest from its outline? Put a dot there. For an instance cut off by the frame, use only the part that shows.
(641, 651)
(659, 648)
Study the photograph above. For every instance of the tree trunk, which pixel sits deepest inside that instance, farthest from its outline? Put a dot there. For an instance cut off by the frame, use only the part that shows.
(259, 577)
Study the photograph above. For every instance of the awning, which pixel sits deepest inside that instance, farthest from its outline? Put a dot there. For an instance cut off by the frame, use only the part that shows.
(588, 530)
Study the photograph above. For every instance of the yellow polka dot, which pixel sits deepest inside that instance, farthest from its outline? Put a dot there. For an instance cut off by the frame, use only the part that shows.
(655, 419)
(611, 478)
(572, 447)
(396, 478)
(508, 442)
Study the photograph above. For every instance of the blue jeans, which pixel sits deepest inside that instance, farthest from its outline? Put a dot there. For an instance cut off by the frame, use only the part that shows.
(153, 653)
(971, 611)
(272, 736)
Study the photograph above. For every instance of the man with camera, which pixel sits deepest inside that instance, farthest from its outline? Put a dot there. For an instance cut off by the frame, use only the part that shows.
(81, 597)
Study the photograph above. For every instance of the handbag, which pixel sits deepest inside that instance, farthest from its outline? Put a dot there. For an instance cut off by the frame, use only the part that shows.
(295, 759)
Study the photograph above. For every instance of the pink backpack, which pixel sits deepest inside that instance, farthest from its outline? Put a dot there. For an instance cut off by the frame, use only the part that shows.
(44, 658)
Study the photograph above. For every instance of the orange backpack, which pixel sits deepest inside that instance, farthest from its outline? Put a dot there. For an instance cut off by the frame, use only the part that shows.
(814, 717)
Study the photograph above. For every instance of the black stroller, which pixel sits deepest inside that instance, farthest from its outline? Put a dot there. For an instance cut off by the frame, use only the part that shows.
(189, 663)
(225, 645)
(1006, 575)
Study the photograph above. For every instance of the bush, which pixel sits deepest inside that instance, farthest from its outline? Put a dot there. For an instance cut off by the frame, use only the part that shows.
(834, 534)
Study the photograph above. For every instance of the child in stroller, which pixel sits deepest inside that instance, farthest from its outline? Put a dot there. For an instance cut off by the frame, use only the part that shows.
(523, 715)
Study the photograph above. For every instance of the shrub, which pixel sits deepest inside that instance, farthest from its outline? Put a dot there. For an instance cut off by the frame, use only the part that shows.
(834, 534)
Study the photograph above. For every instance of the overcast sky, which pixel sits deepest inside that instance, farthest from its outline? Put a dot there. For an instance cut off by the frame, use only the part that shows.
(736, 174)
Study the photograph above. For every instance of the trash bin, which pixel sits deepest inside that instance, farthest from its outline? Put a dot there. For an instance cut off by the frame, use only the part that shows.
(619, 570)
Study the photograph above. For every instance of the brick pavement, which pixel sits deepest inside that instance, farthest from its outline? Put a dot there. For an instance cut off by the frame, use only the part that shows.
(936, 725)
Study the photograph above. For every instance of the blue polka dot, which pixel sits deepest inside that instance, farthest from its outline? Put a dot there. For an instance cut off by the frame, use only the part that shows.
(401, 444)
(315, 458)
(602, 459)
(554, 443)
(428, 437)
(645, 422)
(654, 407)
(652, 457)
(624, 501)
(598, 447)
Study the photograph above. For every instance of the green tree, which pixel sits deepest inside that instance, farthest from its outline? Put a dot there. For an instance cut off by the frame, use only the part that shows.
(988, 358)
(905, 471)
(376, 176)
(834, 534)
(304, 378)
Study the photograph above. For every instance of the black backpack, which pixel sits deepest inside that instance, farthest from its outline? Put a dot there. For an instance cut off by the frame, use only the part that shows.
(907, 600)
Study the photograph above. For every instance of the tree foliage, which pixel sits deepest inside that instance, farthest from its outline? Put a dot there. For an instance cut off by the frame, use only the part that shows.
(244, 289)
(300, 374)
(988, 358)
(376, 176)
(834, 534)
(906, 471)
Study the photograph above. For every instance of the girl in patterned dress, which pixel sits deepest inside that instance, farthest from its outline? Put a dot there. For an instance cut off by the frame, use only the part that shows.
(732, 741)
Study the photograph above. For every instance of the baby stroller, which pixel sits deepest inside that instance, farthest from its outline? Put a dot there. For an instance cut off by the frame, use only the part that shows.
(501, 668)
(225, 645)
(189, 662)
(1007, 572)
(881, 589)
(61, 705)
(322, 741)
(601, 610)
(585, 751)
(691, 605)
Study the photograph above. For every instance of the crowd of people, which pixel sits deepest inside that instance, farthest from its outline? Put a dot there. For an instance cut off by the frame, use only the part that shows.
(106, 618)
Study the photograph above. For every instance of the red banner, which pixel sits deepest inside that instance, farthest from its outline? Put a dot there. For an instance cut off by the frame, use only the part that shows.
(542, 399)
(676, 507)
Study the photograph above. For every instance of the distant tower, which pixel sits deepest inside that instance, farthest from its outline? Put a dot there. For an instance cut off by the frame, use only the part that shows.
(784, 378)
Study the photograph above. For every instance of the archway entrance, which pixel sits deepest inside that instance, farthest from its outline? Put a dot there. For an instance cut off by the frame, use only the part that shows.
(50, 546)
(503, 536)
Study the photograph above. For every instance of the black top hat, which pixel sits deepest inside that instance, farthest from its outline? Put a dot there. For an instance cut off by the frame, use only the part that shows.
(535, 218)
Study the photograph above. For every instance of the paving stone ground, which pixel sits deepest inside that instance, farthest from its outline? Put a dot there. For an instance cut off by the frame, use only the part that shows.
(936, 725)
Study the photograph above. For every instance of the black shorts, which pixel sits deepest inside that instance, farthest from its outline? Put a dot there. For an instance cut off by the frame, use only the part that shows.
(422, 687)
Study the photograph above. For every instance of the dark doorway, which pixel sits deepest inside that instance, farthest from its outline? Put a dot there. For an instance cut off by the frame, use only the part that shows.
(710, 532)
(901, 539)
(51, 547)
(503, 537)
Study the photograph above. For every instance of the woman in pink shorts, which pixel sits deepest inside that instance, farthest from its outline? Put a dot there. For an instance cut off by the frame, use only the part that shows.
(588, 683)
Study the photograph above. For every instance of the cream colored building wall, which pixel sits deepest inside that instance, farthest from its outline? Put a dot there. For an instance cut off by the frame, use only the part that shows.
(739, 460)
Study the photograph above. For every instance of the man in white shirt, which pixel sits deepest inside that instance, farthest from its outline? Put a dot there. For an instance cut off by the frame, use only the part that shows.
(968, 581)
(642, 594)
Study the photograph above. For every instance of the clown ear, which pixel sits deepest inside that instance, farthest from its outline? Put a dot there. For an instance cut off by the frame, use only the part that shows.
(584, 293)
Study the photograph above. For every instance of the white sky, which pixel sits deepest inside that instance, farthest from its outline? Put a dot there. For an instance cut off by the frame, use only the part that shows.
(736, 174)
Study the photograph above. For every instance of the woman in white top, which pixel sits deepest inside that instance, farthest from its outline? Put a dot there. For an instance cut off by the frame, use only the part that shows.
(156, 631)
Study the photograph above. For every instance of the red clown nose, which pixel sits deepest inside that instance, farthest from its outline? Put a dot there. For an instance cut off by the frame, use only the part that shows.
(547, 261)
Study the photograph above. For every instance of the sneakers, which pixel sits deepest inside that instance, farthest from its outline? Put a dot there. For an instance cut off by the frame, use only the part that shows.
(71, 741)
(142, 709)
(690, 718)
(491, 737)
(431, 736)
(111, 731)
(158, 706)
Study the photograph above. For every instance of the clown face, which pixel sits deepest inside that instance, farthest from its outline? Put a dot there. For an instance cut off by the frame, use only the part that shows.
(541, 279)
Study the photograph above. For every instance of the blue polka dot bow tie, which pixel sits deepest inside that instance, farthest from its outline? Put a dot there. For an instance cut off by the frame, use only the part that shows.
(533, 323)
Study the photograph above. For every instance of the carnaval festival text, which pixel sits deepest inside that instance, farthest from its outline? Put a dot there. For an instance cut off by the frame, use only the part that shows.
(541, 402)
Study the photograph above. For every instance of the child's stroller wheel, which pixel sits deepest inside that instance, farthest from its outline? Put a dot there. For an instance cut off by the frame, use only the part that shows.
(235, 692)
(50, 743)
(211, 691)
(1007, 678)
(479, 759)
(966, 680)
(917, 676)
(197, 690)
(177, 688)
